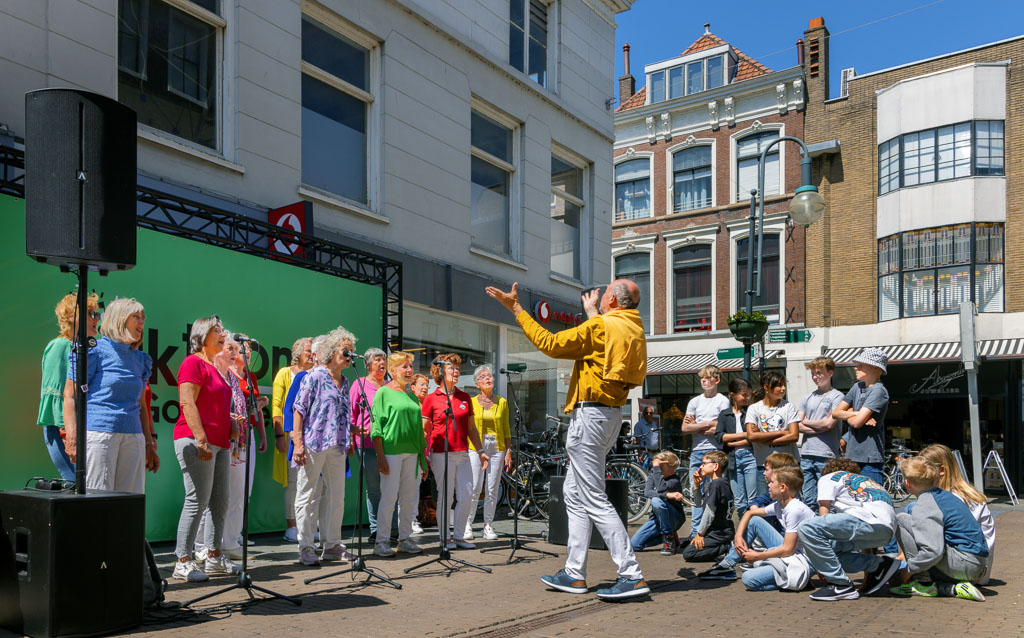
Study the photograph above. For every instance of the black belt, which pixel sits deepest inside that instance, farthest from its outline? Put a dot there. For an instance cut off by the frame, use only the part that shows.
(593, 404)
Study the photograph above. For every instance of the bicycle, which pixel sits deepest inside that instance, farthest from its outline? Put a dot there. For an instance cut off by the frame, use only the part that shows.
(539, 460)
(894, 483)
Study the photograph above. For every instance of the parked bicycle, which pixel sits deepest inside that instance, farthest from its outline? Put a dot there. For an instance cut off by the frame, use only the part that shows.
(541, 456)
(894, 484)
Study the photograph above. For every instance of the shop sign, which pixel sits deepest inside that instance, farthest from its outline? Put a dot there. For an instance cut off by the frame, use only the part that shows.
(542, 310)
(936, 382)
(297, 217)
(567, 318)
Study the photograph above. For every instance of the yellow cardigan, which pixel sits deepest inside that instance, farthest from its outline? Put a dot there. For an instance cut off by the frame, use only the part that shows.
(500, 411)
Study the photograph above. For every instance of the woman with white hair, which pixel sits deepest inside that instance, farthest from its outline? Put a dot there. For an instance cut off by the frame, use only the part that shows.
(117, 446)
(490, 415)
(320, 434)
(202, 438)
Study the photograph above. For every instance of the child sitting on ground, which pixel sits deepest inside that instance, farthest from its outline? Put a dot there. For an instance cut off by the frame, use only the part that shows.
(771, 464)
(666, 516)
(940, 539)
(714, 535)
(782, 563)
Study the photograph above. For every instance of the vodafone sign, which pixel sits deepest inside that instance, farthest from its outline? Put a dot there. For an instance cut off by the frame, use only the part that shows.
(542, 310)
(297, 217)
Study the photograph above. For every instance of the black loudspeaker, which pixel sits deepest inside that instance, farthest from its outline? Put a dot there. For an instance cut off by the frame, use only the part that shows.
(80, 178)
(71, 564)
(558, 524)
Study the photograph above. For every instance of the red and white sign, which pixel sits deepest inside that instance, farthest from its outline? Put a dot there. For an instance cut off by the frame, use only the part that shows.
(542, 310)
(567, 318)
(296, 217)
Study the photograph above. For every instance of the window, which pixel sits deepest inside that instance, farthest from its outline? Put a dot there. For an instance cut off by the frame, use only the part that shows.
(947, 152)
(637, 266)
(695, 77)
(768, 301)
(168, 67)
(528, 38)
(687, 79)
(932, 271)
(567, 207)
(691, 267)
(691, 175)
(658, 86)
(748, 152)
(632, 190)
(716, 71)
(675, 82)
(336, 102)
(491, 171)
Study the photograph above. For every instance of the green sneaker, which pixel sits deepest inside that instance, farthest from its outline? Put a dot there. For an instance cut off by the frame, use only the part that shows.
(968, 591)
(915, 588)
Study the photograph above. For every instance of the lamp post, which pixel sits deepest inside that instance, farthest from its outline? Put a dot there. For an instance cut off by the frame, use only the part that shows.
(806, 207)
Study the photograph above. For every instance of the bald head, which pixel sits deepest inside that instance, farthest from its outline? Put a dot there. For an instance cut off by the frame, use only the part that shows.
(621, 293)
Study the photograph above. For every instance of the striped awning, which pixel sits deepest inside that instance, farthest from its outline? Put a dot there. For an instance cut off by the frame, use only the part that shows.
(928, 352)
(690, 363)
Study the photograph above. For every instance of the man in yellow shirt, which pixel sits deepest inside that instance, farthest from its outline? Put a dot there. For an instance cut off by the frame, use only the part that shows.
(610, 354)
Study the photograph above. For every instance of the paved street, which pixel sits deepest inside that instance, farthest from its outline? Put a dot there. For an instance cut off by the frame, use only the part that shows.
(512, 602)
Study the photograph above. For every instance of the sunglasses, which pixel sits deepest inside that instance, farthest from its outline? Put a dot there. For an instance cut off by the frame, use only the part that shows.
(93, 314)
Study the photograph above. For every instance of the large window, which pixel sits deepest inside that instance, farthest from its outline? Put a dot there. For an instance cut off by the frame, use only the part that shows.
(932, 271)
(637, 266)
(937, 154)
(748, 153)
(632, 189)
(691, 178)
(336, 101)
(691, 268)
(528, 38)
(768, 301)
(168, 64)
(567, 209)
(687, 79)
(491, 184)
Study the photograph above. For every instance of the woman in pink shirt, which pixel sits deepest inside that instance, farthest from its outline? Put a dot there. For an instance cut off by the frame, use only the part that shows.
(376, 367)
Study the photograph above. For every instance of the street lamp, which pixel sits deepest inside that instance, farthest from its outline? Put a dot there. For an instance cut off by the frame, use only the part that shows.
(806, 207)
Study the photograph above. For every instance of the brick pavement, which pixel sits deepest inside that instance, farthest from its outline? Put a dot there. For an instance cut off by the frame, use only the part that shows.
(512, 602)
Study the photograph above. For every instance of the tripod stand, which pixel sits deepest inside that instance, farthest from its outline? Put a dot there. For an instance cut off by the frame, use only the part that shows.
(359, 564)
(445, 555)
(515, 542)
(244, 577)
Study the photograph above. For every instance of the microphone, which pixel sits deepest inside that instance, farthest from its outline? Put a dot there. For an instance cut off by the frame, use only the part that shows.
(351, 355)
(241, 338)
(440, 362)
(514, 368)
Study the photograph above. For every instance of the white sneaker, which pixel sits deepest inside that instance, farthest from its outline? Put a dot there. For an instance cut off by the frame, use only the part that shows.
(409, 547)
(220, 565)
(489, 533)
(291, 535)
(469, 532)
(199, 554)
(308, 557)
(188, 571)
(383, 550)
(234, 553)
(416, 528)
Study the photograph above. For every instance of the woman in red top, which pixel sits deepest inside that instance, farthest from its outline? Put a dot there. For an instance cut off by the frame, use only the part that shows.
(202, 437)
(460, 432)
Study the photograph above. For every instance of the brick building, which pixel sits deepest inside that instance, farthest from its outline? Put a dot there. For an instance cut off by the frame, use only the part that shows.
(922, 180)
(686, 153)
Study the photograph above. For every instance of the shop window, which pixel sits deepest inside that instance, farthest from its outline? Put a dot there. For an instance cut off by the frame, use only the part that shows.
(691, 269)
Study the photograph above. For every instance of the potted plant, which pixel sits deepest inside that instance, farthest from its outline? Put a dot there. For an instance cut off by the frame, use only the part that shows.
(748, 327)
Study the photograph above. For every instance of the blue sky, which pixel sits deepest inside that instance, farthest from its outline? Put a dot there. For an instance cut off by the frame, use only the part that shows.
(866, 34)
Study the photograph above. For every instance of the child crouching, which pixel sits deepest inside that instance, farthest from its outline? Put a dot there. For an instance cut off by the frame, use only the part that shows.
(715, 534)
(666, 516)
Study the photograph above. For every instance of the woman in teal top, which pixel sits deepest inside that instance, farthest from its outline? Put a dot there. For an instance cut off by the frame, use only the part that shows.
(55, 373)
(397, 435)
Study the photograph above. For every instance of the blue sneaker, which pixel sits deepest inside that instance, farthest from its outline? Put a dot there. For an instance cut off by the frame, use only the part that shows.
(563, 582)
(624, 588)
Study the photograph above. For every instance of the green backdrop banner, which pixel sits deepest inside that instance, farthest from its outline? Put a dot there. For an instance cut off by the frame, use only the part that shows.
(177, 280)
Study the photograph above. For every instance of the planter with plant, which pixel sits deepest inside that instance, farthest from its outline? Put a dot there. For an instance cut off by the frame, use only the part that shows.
(748, 327)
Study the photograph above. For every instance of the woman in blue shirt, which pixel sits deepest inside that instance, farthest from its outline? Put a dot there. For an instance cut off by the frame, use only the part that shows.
(117, 447)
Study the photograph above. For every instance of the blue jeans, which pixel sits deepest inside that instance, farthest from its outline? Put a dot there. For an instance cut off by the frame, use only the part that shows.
(876, 472)
(813, 468)
(762, 484)
(663, 520)
(55, 446)
(695, 461)
(759, 578)
(743, 479)
(833, 542)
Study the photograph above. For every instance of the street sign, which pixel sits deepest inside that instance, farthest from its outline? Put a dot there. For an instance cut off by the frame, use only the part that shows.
(729, 353)
(796, 335)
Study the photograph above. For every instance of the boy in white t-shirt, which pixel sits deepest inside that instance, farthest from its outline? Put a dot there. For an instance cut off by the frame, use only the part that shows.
(864, 519)
(782, 563)
(700, 421)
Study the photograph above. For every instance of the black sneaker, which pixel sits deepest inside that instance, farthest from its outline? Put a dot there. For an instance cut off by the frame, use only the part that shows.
(718, 572)
(836, 592)
(671, 545)
(878, 578)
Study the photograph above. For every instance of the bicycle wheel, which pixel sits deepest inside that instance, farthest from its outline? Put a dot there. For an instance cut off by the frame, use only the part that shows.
(540, 490)
(636, 480)
(516, 485)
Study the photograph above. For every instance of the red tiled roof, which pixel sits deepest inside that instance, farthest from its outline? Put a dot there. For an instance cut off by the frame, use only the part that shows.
(746, 68)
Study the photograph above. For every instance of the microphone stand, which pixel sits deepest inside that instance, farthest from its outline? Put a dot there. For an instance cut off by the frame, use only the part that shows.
(445, 555)
(244, 577)
(359, 565)
(515, 543)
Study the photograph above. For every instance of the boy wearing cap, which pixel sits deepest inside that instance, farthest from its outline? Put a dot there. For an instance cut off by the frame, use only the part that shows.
(864, 409)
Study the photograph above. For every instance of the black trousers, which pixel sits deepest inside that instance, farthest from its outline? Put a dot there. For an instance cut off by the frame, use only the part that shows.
(716, 543)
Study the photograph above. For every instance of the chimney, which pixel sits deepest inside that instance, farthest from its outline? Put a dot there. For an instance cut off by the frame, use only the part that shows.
(627, 85)
(800, 52)
(707, 28)
(815, 60)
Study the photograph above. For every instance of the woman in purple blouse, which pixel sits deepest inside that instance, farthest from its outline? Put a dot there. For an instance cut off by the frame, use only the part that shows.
(320, 433)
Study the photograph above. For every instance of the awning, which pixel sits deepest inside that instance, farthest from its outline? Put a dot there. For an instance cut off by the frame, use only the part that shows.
(929, 352)
(692, 363)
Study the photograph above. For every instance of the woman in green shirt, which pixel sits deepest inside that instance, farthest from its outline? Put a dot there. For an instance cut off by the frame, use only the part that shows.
(397, 435)
(55, 374)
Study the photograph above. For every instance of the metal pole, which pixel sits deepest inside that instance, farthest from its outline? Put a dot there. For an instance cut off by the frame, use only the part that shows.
(969, 356)
(81, 377)
(749, 292)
